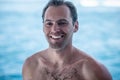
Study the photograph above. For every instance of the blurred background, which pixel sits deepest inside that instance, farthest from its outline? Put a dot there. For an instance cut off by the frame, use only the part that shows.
(21, 33)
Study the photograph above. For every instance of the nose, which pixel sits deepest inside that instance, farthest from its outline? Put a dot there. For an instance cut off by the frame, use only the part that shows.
(55, 28)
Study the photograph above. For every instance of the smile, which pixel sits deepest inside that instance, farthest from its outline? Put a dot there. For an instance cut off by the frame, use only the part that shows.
(56, 37)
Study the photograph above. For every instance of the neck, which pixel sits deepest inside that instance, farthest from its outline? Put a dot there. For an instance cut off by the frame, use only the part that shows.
(62, 55)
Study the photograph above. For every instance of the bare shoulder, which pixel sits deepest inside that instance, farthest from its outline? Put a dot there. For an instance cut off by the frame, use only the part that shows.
(33, 60)
(93, 70)
(32, 65)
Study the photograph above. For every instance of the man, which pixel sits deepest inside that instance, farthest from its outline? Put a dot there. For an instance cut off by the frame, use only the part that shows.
(62, 61)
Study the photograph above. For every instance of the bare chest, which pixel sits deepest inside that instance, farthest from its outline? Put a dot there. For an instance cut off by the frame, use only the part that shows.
(67, 73)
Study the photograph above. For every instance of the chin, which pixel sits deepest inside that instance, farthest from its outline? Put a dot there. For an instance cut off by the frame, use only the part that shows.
(57, 46)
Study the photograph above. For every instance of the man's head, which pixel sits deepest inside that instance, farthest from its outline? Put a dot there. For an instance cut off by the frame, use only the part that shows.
(56, 3)
(59, 25)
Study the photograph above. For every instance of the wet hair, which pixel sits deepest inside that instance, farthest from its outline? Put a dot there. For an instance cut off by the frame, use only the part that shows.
(56, 3)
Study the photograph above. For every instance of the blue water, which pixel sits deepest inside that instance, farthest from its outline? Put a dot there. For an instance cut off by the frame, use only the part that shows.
(21, 36)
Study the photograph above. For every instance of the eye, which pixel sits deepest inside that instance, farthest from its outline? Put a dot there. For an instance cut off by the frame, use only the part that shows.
(62, 23)
(48, 24)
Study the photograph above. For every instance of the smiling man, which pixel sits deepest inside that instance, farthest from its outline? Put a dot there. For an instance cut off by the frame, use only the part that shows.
(62, 61)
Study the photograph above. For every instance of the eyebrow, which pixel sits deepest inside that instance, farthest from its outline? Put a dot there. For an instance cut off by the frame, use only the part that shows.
(48, 20)
(62, 20)
(56, 21)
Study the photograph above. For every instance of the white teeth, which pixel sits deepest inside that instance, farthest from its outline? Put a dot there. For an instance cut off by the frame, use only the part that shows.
(56, 36)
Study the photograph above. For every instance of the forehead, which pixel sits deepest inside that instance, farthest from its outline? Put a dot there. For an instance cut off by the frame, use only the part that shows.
(57, 12)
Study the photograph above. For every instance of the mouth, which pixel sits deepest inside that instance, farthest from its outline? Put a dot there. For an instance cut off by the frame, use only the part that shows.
(57, 37)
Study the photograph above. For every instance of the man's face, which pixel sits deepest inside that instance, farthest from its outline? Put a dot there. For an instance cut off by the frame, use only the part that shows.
(58, 27)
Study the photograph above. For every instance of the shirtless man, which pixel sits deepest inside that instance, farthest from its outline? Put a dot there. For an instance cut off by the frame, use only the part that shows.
(62, 61)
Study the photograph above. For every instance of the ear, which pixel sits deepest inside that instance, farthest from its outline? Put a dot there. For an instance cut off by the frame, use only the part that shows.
(76, 26)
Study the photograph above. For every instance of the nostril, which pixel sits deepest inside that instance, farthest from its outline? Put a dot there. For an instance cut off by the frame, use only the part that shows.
(62, 36)
(50, 36)
(55, 28)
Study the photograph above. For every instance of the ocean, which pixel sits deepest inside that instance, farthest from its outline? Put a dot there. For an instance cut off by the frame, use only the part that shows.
(21, 36)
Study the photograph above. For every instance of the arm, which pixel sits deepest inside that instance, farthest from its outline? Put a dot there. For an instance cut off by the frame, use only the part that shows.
(95, 71)
(26, 71)
(33, 69)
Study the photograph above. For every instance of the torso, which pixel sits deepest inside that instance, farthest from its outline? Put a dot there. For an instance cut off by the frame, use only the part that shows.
(72, 71)
(79, 67)
(67, 73)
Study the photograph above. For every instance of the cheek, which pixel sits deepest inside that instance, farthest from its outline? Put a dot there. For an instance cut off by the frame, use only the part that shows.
(45, 33)
(45, 30)
(67, 28)
(70, 29)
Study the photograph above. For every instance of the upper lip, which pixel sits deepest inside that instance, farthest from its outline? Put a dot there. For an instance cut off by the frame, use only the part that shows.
(53, 36)
(57, 36)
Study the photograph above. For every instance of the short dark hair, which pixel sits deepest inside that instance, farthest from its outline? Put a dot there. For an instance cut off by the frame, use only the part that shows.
(70, 5)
